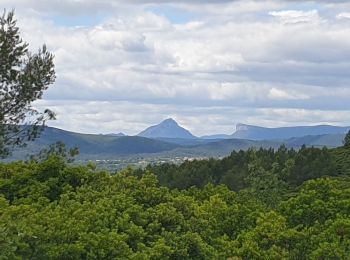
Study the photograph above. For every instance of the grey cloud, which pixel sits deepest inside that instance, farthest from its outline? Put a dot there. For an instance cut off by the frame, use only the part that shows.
(70, 7)
(96, 117)
(217, 71)
(73, 7)
(110, 39)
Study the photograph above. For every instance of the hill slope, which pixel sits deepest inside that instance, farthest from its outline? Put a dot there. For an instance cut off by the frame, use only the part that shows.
(97, 145)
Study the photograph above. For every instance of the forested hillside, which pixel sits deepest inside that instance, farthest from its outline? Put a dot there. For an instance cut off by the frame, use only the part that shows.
(292, 167)
(257, 204)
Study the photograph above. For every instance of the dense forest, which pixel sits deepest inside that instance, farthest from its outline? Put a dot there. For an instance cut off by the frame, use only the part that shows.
(266, 167)
(255, 204)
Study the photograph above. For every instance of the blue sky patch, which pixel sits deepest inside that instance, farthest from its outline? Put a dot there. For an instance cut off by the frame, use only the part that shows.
(174, 14)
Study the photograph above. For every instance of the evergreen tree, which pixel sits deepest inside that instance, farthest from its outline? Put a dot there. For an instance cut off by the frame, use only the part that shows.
(23, 78)
(347, 140)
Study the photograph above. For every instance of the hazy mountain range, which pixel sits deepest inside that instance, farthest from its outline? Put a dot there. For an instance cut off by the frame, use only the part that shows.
(170, 139)
(169, 128)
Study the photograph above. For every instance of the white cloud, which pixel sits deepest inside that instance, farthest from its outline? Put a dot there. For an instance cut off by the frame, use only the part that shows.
(296, 16)
(237, 61)
(280, 94)
(109, 117)
(343, 16)
(108, 39)
(306, 117)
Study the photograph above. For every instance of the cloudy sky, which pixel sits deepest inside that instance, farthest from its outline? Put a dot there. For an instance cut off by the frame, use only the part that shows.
(123, 65)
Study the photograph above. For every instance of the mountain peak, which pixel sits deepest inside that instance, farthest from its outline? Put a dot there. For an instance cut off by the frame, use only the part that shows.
(169, 121)
(168, 128)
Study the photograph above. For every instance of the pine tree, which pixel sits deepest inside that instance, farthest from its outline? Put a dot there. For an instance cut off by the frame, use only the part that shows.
(23, 78)
(347, 140)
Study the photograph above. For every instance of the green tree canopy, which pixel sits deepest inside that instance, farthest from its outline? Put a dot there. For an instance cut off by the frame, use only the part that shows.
(347, 140)
(55, 210)
(23, 78)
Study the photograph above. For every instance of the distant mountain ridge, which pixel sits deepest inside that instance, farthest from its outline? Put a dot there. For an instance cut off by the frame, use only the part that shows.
(170, 139)
(118, 134)
(216, 136)
(168, 128)
(251, 132)
(96, 145)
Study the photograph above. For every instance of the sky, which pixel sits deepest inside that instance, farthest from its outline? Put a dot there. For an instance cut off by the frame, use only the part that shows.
(123, 65)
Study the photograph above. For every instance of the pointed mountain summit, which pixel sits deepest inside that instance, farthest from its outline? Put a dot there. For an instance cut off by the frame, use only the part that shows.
(169, 128)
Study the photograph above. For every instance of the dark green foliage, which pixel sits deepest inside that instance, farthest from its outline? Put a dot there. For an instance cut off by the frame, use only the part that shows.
(311, 163)
(282, 167)
(341, 157)
(51, 210)
(23, 78)
(347, 140)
